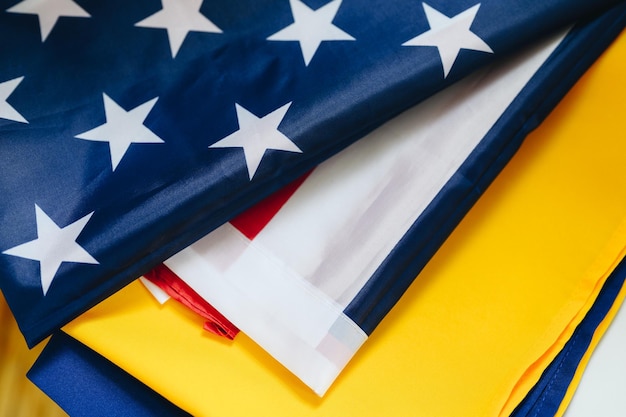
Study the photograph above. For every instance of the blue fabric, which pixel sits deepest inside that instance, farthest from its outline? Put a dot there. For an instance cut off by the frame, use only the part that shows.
(546, 396)
(83, 383)
(164, 196)
(565, 66)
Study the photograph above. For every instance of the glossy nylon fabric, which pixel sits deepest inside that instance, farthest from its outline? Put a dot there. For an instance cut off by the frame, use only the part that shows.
(165, 196)
(286, 289)
(582, 46)
(263, 285)
(472, 327)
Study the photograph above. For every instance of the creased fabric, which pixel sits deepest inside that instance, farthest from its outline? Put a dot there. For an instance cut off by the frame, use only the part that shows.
(472, 326)
(123, 124)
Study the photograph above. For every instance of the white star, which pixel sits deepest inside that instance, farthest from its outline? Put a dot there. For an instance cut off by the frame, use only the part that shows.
(312, 27)
(122, 128)
(179, 17)
(53, 246)
(450, 35)
(49, 12)
(256, 135)
(6, 110)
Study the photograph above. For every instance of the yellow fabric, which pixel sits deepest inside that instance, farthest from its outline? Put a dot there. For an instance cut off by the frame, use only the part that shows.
(18, 396)
(532, 374)
(475, 329)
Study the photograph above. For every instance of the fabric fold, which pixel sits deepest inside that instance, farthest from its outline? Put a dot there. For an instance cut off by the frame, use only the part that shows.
(84, 383)
(139, 141)
(302, 288)
(512, 278)
(546, 398)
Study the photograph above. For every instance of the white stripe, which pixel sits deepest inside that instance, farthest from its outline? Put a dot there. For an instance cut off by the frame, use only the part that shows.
(350, 213)
(286, 315)
(159, 295)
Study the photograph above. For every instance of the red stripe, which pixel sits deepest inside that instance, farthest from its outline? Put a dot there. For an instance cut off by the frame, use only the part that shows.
(169, 282)
(253, 220)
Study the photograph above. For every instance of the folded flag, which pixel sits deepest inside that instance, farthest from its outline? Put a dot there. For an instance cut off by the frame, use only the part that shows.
(316, 280)
(132, 130)
(492, 309)
(551, 222)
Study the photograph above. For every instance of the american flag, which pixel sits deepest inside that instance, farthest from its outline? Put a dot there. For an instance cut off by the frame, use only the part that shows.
(130, 130)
